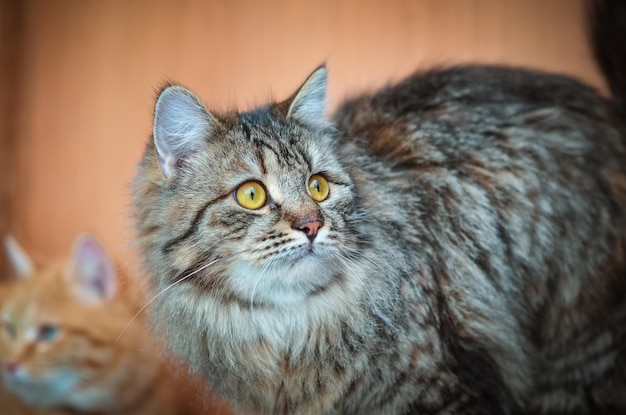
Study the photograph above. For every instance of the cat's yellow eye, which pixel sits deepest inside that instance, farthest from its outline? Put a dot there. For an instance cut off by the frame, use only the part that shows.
(251, 195)
(318, 188)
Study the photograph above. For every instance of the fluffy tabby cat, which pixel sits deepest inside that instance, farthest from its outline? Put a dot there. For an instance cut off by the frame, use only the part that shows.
(453, 244)
(60, 323)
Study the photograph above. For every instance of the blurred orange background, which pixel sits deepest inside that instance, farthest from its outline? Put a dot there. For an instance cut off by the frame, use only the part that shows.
(78, 80)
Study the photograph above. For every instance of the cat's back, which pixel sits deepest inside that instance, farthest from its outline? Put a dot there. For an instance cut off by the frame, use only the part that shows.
(507, 179)
(490, 91)
(520, 137)
(440, 115)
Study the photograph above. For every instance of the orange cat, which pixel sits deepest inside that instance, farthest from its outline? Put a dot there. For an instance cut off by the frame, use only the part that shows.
(60, 345)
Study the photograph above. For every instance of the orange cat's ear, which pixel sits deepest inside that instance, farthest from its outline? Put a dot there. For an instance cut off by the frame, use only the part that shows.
(309, 103)
(18, 258)
(182, 125)
(92, 272)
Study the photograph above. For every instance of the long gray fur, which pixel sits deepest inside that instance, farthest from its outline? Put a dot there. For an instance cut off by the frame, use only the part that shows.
(470, 260)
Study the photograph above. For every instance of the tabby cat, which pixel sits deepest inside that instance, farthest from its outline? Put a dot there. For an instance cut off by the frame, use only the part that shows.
(63, 345)
(452, 244)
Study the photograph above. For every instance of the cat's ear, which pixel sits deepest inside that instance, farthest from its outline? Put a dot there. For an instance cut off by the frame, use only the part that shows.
(181, 126)
(92, 272)
(18, 258)
(309, 103)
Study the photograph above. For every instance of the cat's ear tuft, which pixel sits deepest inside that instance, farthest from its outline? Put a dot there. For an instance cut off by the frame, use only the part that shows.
(92, 271)
(18, 258)
(309, 103)
(181, 126)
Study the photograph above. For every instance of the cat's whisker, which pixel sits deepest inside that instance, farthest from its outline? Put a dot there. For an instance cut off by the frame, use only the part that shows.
(165, 290)
(347, 263)
(354, 254)
(259, 278)
(362, 278)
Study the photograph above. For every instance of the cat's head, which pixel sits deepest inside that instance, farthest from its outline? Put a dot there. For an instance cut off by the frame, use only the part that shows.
(51, 338)
(252, 207)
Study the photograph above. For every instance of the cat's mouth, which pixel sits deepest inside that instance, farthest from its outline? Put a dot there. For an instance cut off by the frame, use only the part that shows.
(288, 277)
(302, 253)
(15, 375)
(20, 382)
(40, 390)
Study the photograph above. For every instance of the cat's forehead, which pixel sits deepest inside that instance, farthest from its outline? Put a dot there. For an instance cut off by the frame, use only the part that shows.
(263, 146)
(258, 130)
(272, 164)
(21, 309)
(273, 142)
(46, 288)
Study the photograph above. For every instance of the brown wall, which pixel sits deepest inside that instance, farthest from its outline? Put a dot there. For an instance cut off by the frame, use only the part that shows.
(89, 70)
(10, 25)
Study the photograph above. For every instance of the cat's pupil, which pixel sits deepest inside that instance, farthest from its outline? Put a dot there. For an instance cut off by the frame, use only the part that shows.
(250, 195)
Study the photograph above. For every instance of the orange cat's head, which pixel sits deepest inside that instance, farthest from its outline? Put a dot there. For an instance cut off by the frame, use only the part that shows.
(58, 322)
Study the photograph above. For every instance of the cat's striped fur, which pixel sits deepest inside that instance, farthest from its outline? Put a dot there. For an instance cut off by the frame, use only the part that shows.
(469, 260)
(65, 345)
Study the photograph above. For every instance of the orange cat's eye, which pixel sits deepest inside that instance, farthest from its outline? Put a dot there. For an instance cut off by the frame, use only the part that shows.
(251, 195)
(318, 188)
(48, 332)
(9, 329)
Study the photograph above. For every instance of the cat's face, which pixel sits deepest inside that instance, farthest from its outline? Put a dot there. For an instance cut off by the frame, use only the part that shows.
(49, 323)
(36, 364)
(278, 210)
(261, 199)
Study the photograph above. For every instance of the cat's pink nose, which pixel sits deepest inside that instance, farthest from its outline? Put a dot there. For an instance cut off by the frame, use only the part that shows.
(11, 367)
(311, 228)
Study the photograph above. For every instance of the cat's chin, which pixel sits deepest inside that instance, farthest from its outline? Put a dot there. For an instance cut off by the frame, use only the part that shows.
(51, 390)
(283, 283)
